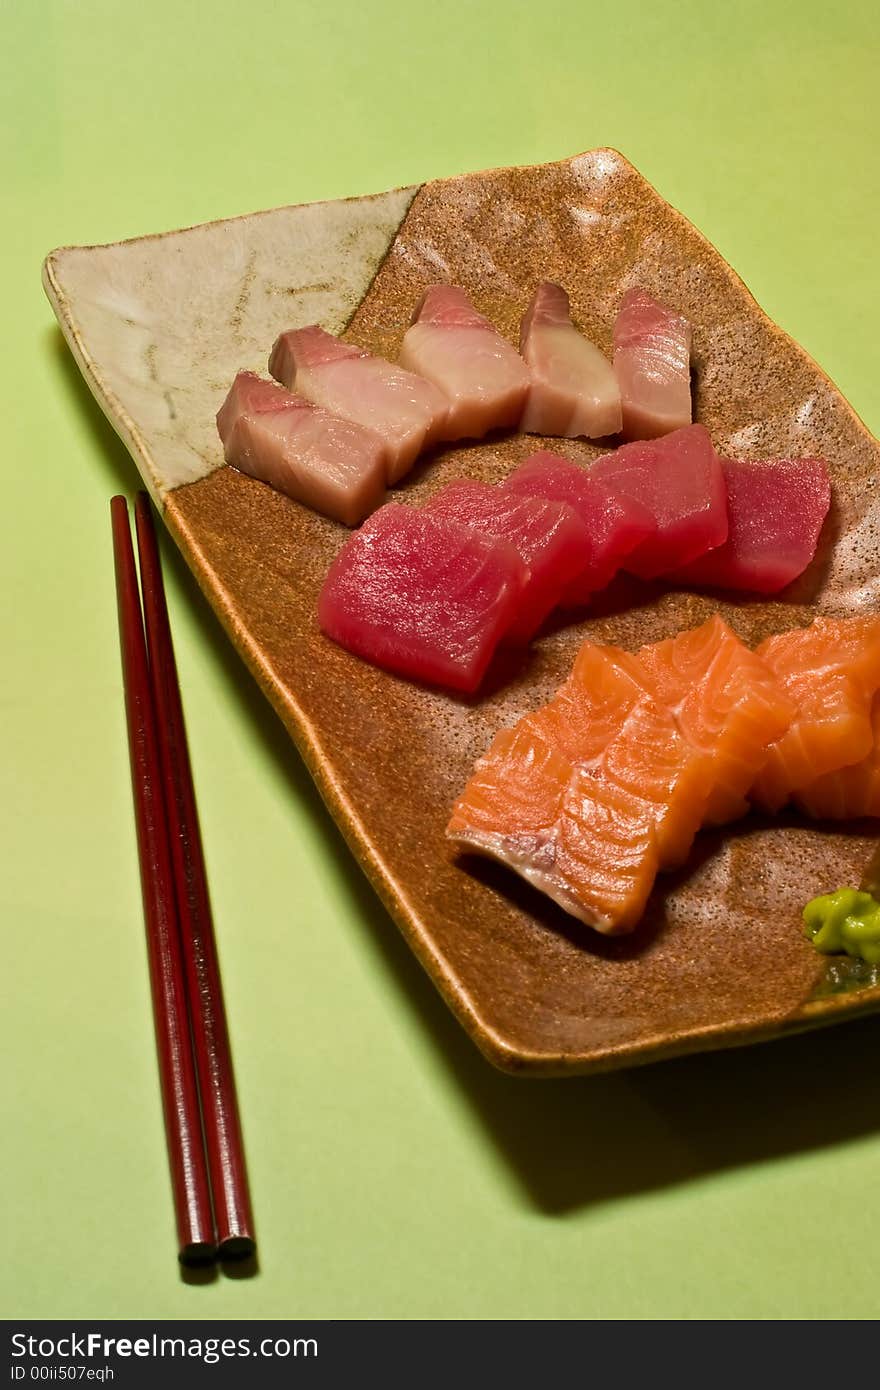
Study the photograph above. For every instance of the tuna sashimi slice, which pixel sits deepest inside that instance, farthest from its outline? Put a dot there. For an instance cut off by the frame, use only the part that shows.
(652, 362)
(483, 378)
(615, 523)
(575, 836)
(316, 458)
(850, 792)
(548, 536)
(727, 703)
(407, 412)
(831, 671)
(573, 388)
(422, 596)
(776, 508)
(678, 479)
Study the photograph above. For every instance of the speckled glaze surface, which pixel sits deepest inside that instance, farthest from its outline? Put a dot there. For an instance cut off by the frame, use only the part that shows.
(720, 958)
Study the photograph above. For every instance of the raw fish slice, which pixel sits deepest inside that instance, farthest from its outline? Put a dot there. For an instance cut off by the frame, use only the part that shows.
(407, 412)
(727, 703)
(314, 457)
(573, 388)
(678, 479)
(577, 838)
(831, 671)
(608, 849)
(652, 362)
(250, 394)
(422, 596)
(482, 377)
(850, 792)
(775, 509)
(548, 536)
(606, 718)
(615, 523)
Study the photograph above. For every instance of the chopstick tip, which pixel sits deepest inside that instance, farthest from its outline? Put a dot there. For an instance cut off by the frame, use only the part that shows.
(198, 1252)
(237, 1248)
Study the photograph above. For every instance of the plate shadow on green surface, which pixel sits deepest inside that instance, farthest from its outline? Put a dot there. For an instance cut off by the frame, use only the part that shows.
(567, 1143)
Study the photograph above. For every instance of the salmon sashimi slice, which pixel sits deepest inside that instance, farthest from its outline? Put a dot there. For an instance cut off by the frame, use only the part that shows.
(775, 512)
(831, 671)
(584, 842)
(549, 537)
(407, 412)
(610, 707)
(652, 362)
(633, 799)
(605, 717)
(329, 464)
(482, 377)
(615, 523)
(422, 596)
(678, 479)
(850, 792)
(727, 703)
(573, 388)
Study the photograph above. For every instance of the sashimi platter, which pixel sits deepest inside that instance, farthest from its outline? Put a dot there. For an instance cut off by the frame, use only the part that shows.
(561, 564)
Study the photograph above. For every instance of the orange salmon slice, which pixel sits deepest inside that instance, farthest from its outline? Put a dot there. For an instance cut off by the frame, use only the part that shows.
(590, 795)
(849, 792)
(831, 671)
(606, 718)
(584, 842)
(727, 703)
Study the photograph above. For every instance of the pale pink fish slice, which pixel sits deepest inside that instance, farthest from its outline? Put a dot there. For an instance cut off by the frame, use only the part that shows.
(776, 509)
(549, 538)
(679, 480)
(573, 390)
(482, 377)
(652, 362)
(329, 464)
(422, 596)
(615, 524)
(407, 412)
(250, 394)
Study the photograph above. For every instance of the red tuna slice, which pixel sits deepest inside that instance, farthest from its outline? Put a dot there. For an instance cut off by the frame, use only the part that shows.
(652, 362)
(615, 523)
(422, 596)
(482, 377)
(775, 510)
(407, 412)
(573, 387)
(329, 464)
(549, 538)
(679, 480)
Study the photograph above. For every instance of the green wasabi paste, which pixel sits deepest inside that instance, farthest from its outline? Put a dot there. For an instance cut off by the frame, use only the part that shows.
(847, 920)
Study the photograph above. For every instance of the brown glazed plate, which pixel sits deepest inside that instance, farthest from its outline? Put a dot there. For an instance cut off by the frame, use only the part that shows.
(159, 325)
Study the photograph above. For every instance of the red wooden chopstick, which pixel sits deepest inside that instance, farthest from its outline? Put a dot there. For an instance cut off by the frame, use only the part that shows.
(193, 1047)
(222, 1128)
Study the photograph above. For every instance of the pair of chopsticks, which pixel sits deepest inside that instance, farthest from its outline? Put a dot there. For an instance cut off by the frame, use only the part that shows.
(205, 1150)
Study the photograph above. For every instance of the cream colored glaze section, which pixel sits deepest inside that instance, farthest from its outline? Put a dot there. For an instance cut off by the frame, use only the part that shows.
(159, 325)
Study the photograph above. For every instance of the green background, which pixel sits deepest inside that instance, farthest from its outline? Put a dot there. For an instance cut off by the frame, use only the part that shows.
(394, 1173)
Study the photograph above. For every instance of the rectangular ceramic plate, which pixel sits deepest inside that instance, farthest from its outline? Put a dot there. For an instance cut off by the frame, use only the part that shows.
(159, 326)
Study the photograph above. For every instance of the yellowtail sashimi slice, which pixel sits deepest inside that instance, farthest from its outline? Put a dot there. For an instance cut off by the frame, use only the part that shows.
(329, 464)
(482, 377)
(652, 363)
(407, 412)
(573, 390)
